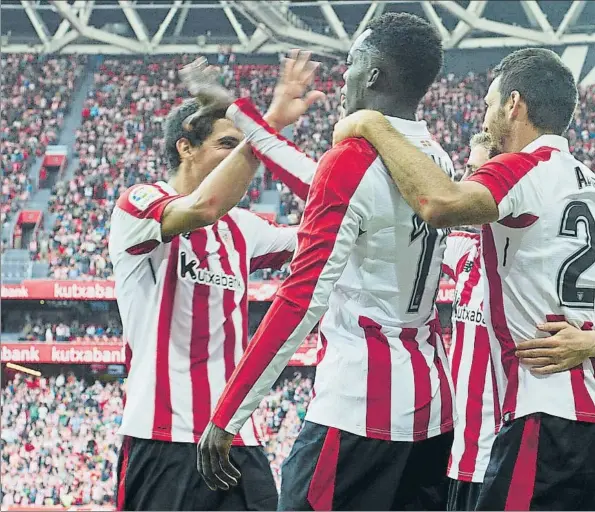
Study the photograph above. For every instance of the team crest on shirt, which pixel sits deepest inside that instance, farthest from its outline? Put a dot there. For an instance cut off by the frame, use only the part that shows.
(143, 196)
(227, 239)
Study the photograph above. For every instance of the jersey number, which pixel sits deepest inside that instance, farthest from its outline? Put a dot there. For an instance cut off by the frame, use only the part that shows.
(427, 236)
(569, 293)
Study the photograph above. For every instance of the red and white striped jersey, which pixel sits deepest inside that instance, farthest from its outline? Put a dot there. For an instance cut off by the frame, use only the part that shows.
(539, 262)
(372, 268)
(469, 358)
(184, 308)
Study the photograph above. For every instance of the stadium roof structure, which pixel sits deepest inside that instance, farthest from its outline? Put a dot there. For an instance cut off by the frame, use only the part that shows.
(267, 27)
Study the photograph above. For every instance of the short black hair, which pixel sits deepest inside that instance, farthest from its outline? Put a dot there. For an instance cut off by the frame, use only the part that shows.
(545, 84)
(174, 129)
(412, 47)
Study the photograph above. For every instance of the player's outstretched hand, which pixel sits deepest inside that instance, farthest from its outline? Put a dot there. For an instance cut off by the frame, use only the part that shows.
(566, 348)
(290, 97)
(355, 125)
(213, 461)
(203, 83)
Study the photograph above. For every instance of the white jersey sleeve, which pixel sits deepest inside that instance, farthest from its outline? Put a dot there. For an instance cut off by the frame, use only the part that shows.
(281, 156)
(136, 219)
(337, 207)
(458, 246)
(269, 244)
(514, 180)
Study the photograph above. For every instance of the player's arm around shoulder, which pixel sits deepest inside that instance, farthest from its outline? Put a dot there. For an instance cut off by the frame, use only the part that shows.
(422, 183)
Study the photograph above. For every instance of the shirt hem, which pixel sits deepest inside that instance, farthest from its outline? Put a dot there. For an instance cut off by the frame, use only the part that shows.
(585, 417)
(477, 477)
(395, 435)
(185, 438)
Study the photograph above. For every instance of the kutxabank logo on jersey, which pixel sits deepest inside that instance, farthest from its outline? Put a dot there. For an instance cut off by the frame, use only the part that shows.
(189, 270)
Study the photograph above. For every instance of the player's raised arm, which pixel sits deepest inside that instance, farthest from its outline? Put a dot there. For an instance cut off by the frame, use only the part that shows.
(291, 100)
(215, 196)
(337, 206)
(197, 137)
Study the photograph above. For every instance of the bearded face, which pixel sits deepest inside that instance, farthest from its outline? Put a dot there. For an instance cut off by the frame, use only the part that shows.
(496, 122)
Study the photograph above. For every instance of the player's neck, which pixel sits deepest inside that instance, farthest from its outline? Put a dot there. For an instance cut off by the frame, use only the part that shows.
(183, 182)
(521, 137)
(388, 106)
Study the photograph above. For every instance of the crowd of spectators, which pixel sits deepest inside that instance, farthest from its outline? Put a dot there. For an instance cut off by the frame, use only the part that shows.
(120, 143)
(40, 329)
(59, 441)
(59, 437)
(35, 94)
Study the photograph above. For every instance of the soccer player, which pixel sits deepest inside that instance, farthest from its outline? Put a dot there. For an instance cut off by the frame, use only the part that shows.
(181, 278)
(537, 204)
(469, 358)
(379, 430)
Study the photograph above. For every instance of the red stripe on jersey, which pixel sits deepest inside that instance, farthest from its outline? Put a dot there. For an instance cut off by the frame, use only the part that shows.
(229, 305)
(421, 383)
(320, 353)
(480, 368)
(470, 284)
(378, 395)
(200, 337)
(336, 180)
(239, 242)
(510, 361)
(446, 420)
(497, 410)
(153, 210)
(297, 186)
(143, 248)
(457, 352)
(522, 483)
(162, 419)
(522, 221)
(500, 174)
(322, 486)
(272, 260)
(583, 403)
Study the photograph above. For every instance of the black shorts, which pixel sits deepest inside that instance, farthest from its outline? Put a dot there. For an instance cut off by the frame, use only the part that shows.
(463, 495)
(157, 475)
(541, 462)
(329, 469)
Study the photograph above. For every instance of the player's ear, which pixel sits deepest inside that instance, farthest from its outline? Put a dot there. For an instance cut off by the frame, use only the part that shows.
(373, 76)
(184, 148)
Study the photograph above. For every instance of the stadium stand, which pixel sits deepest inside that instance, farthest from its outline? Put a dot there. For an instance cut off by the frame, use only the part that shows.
(35, 96)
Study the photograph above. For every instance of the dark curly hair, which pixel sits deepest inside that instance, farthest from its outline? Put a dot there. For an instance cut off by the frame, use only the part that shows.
(411, 48)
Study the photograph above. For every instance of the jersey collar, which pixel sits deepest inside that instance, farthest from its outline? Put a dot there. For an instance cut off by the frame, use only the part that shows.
(552, 141)
(408, 127)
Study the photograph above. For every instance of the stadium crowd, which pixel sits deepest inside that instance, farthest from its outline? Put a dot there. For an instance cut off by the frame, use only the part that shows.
(60, 442)
(35, 95)
(40, 329)
(120, 143)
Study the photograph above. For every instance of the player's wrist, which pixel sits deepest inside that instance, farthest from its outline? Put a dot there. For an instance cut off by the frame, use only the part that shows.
(273, 121)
